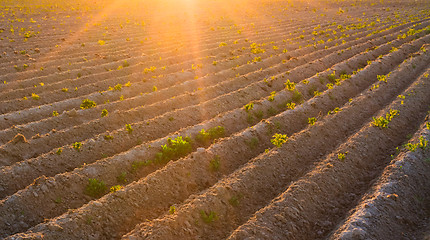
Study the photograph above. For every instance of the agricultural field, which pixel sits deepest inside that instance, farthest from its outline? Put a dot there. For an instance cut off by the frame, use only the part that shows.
(214, 119)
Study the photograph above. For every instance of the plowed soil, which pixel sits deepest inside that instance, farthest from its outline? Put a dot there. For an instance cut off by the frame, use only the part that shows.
(194, 119)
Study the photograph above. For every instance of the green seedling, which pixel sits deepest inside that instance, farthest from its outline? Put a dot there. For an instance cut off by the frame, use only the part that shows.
(77, 146)
(208, 218)
(86, 103)
(382, 122)
(128, 128)
(279, 139)
(104, 113)
(312, 120)
(95, 188)
(115, 188)
(290, 86)
(214, 164)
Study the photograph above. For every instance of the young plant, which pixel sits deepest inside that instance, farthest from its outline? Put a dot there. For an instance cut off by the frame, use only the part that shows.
(206, 137)
(35, 96)
(172, 210)
(341, 156)
(128, 128)
(95, 188)
(312, 120)
(291, 105)
(252, 143)
(214, 164)
(423, 143)
(234, 201)
(86, 103)
(248, 107)
(382, 122)
(117, 87)
(115, 188)
(279, 139)
(122, 178)
(54, 113)
(297, 97)
(272, 96)
(290, 86)
(174, 149)
(208, 218)
(77, 146)
(59, 151)
(104, 113)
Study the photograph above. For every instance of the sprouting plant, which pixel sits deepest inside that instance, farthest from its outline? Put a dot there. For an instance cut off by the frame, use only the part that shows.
(59, 151)
(122, 178)
(174, 149)
(329, 85)
(259, 114)
(222, 44)
(341, 156)
(291, 105)
(248, 107)
(77, 146)
(382, 122)
(312, 120)
(108, 137)
(154, 89)
(214, 164)
(54, 113)
(208, 218)
(104, 113)
(138, 164)
(234, 201)
(118, 87)
(290, 86)
(58, 200)
(252, 143)
(128, 128)
(272, 96)
(86, 103)
(334, 111)
(411, 147)
(382, 78)
(35, 96)
(423, 143)
(172, 210)
(214, 63)
(125, 63)
(115, 188)
(297, 97)
(95, 188)
(279, 139)
(332, 77)
(101, 42)
(428, 125)
(206, 137)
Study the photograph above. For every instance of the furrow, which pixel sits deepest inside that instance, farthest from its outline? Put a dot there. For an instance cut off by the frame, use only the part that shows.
(400, 191)
(310, 205)
(192, 170)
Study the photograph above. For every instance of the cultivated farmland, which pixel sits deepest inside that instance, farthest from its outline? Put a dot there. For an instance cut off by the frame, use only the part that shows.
(193, 119)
